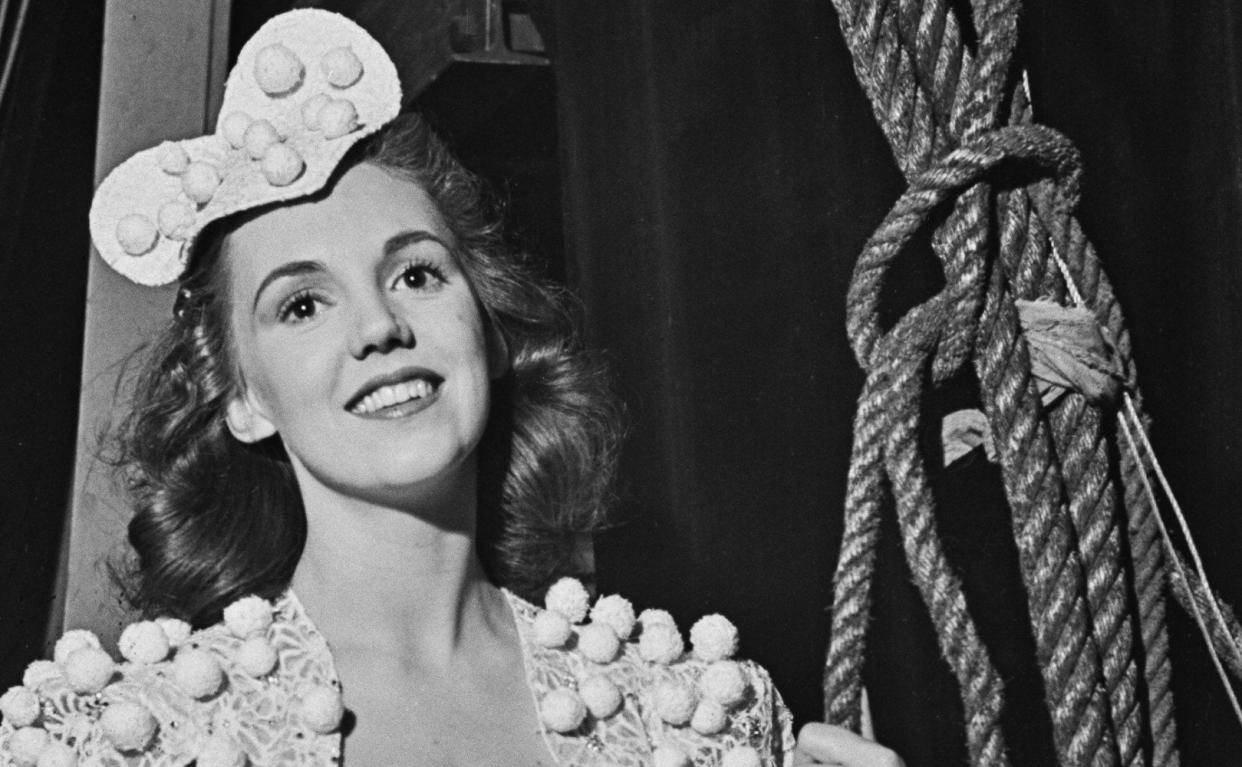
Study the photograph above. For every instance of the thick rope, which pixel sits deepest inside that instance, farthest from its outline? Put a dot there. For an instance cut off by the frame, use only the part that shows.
(896, 386)
(1089, 286)
(930, 94)
(1085, 461)
(980, 684)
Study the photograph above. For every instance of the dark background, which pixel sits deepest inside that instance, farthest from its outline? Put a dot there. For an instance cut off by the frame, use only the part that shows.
(704, 174)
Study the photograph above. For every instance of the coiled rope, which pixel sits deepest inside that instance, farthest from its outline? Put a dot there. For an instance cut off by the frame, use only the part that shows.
(954, 115)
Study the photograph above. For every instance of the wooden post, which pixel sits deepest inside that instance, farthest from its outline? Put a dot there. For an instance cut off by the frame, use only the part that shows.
(163, 71)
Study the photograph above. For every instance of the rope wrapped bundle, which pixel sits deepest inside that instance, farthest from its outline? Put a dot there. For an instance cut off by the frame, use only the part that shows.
(953, 115)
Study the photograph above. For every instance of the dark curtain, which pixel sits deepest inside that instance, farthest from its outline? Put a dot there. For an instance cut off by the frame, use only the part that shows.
(47, 150)
(722, 171)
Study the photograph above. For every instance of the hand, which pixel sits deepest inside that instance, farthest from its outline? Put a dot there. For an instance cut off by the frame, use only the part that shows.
(828, 744)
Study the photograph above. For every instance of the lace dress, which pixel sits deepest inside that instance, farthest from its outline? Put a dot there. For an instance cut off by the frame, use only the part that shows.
(275, 700)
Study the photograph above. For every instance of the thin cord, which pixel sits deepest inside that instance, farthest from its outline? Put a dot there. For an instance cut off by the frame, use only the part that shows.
(1177, 563)
(1181, 521)
(1062, 267)
(14, 42)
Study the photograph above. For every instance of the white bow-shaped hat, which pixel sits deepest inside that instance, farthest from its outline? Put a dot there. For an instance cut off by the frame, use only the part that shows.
(305, 88)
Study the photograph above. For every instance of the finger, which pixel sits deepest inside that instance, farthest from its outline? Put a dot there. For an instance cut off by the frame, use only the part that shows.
(830, 744)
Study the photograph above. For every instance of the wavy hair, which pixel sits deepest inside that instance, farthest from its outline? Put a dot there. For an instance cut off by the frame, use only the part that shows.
(216, 519)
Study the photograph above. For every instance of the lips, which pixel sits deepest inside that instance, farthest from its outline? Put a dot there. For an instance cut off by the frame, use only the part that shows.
(396, 394)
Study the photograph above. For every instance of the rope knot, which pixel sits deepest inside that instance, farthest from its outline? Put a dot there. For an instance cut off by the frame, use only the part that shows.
(1037, 146)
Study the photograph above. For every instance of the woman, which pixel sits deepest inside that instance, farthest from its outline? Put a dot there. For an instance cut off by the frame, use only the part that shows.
(365, 415)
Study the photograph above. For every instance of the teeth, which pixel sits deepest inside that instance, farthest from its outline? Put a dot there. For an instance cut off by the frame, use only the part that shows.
(395, 394)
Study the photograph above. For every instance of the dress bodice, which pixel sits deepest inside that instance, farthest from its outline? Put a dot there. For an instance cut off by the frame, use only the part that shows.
(260, 688)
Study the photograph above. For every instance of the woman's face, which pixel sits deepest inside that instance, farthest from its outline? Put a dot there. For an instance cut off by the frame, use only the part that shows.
(360, 341)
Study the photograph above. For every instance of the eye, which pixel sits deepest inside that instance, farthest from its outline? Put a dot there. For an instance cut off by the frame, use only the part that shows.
(421, 276)
(299, 307)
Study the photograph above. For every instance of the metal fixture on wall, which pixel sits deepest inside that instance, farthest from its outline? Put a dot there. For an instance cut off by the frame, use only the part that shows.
(427, 37)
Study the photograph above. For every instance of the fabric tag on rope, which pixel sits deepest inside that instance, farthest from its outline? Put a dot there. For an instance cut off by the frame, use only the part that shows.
(964, 430)
(1069, 351)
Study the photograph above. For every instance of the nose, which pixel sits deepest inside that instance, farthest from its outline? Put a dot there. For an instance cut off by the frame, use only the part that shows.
(378, 329)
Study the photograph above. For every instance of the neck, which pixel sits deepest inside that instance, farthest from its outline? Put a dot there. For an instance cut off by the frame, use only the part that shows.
(410, 576)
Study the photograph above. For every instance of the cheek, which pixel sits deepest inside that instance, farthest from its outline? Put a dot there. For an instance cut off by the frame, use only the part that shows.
(284, 377)
(473, 341)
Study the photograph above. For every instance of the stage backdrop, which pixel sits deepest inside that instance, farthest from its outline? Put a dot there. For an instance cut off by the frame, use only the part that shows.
(720, 171)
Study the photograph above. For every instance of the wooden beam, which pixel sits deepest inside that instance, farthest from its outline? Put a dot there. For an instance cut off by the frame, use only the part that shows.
(163, 71)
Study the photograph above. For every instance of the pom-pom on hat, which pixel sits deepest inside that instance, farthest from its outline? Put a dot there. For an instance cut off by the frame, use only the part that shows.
(305, 88)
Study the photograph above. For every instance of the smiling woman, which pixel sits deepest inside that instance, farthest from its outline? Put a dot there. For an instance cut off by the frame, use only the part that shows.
(354, 361)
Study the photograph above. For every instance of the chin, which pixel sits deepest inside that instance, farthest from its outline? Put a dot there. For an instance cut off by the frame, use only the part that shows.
(419, 476)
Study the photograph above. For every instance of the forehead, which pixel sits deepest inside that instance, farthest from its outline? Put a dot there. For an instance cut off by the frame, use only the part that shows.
(365, 207)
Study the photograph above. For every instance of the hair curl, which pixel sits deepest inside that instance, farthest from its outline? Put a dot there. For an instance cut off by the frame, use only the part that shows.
(216, 519)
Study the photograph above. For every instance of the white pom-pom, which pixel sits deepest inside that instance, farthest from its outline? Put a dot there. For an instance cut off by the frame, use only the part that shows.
(278, 70)
(670, 756)
(176, 219)
(200, 181)
(260, 136)
(310, 110)
(322, 709)
(19, 706)
(551, 629)
(26, 745)
(89, 670)
(144, 642)
(724, 682)
(742, 756)
(569, 598)
(220, 751)
(709, 718)
(652, 616)
(197, 673)
(72, 641)
(177, 631)
(675, 702)
(713, 637)
(341, 66)
(616, 612)
(41, 672)
(660, 643)
(128, 726)
(562, 710)
(282, 165)
(173, 159)
(601, 696)
(598, 642)
(248, 616)
(136, 234)
(256, 656)
(57, 754)
(337, 118)
(234, 128)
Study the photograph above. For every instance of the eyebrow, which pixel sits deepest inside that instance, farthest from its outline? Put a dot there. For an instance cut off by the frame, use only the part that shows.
(402, 240)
